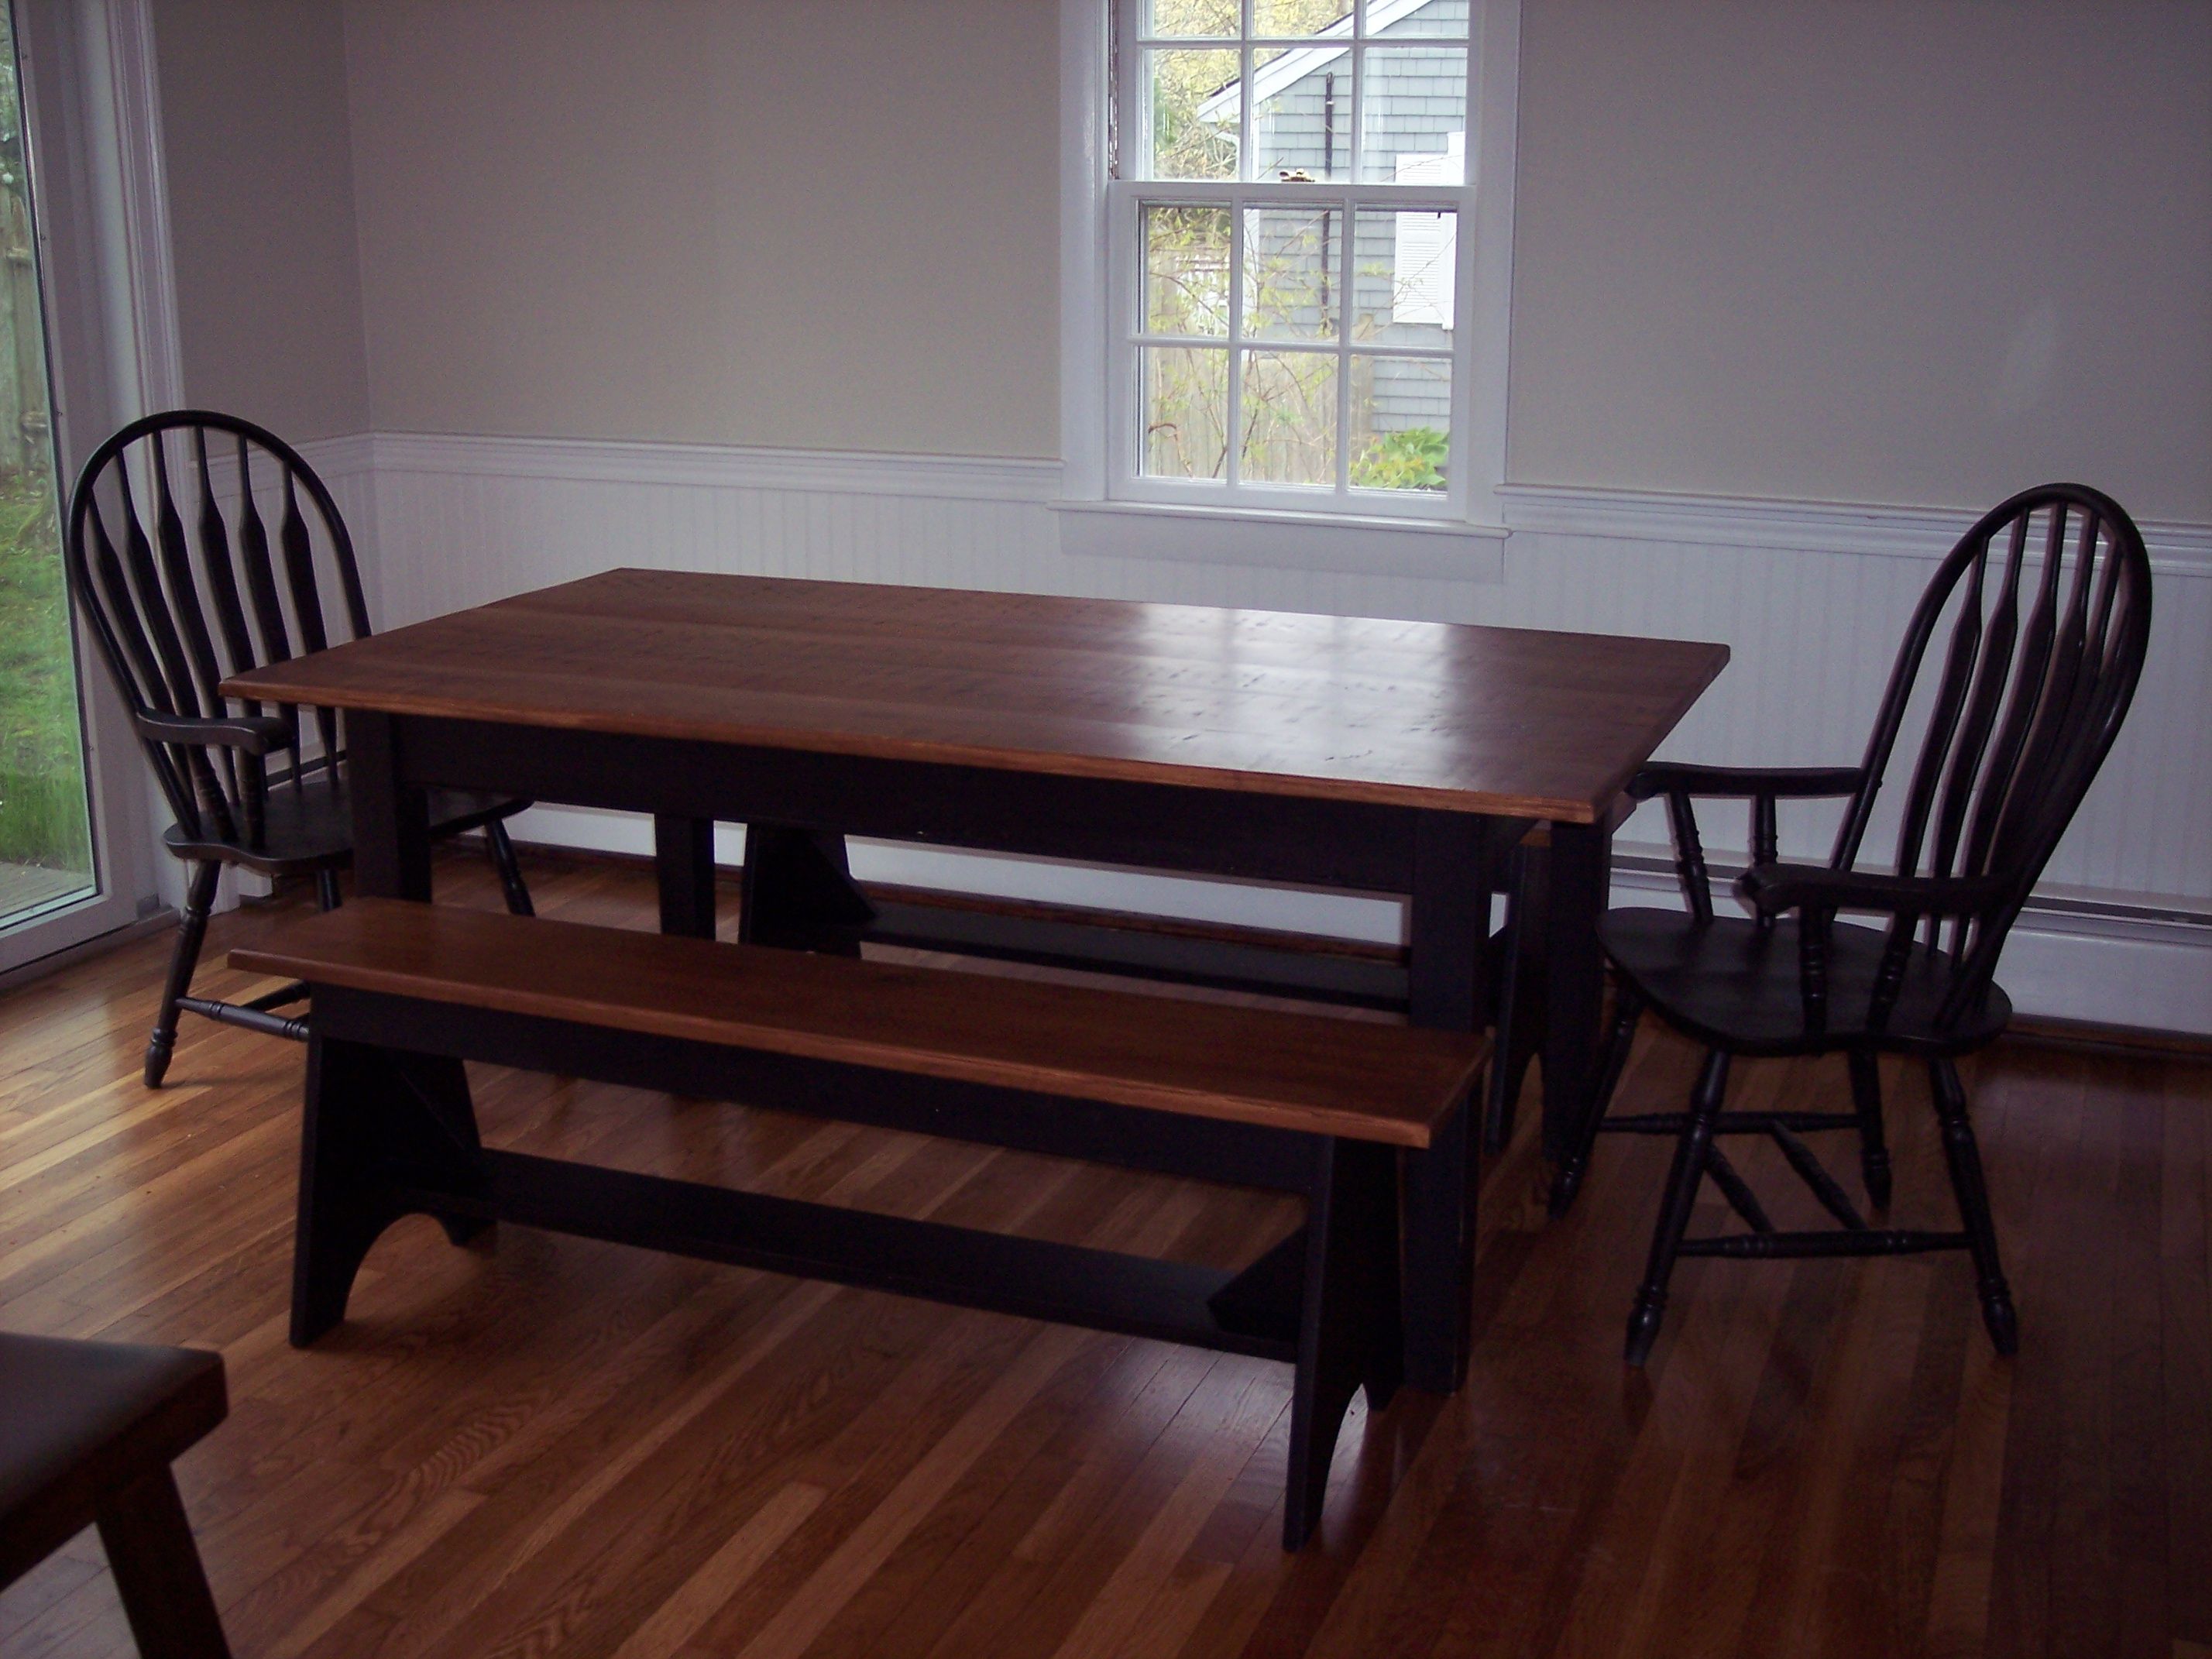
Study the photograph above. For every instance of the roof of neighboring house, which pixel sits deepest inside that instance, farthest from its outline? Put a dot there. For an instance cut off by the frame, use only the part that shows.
(1296, 64)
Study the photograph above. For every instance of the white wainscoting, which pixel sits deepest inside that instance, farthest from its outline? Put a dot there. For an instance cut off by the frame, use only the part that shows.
(1811, 597)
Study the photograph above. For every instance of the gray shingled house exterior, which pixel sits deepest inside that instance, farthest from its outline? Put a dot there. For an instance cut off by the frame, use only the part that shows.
(1416, 118)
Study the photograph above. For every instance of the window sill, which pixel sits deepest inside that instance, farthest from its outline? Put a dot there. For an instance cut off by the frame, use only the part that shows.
(1426, 548)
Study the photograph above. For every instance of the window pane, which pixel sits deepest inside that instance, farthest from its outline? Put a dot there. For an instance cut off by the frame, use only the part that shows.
(1291, 258)
(1186, 411)
(1184, 18)
(1186, 254)
(1401, 422)
(1288, 420)
(1302, 17)
(1403, 268)
(1301, 122)
(1413, 127)
(1194, 99)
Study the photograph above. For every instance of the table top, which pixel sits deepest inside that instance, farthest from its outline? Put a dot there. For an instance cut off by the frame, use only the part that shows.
(1517, 722)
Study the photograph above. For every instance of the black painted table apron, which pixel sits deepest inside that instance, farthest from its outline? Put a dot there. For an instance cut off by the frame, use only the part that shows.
(798, 805)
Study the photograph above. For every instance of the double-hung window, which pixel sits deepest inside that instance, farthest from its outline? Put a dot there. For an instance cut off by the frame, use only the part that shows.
(1289, 197)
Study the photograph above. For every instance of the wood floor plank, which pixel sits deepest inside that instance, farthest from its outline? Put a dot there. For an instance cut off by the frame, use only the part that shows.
(554, 1447)
(678, 1618)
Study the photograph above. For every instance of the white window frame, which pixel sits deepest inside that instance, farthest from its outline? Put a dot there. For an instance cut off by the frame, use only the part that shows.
(1099, 233)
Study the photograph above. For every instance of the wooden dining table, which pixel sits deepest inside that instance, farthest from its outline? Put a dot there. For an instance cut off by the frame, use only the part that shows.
(1340, 752)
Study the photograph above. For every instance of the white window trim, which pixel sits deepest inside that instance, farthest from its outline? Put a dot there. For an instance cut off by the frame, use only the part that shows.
(1090, 295)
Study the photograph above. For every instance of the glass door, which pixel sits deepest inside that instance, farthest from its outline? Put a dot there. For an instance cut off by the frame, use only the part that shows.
(45, 816)
(55, 888)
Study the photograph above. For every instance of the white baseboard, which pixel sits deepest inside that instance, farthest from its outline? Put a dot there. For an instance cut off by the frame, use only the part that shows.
(2106, 969)
(2097, 965)
(1376, 919)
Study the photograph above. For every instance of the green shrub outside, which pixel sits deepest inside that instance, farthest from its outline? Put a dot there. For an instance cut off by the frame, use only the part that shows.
(1412, 459)
(42, 798)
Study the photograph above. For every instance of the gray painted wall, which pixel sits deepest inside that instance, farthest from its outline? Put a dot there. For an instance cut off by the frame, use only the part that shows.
(1923, 253)
(805, 224)
(1785, 248)
(261, 212)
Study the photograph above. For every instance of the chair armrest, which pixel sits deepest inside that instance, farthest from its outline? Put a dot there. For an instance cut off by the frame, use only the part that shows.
(1770, 888)
(1782, 783)
(257, 734)
(1679, 784)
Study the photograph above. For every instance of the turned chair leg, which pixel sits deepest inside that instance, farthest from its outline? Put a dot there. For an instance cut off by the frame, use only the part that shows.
(1964, 1158)
(191, 931)
(327, 896)
(1873, 1148)
(1692, 1153)
(501, 850)
(1627, 1011)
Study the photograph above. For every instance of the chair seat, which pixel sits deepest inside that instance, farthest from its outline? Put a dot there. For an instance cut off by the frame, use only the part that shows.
(310, 827)
(79, 1420)
(1730, 986)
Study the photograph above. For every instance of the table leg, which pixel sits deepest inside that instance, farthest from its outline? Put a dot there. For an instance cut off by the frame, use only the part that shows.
(799, 891)
(683, 865)
(1450, 929)
(391, 817)
(1574, 991)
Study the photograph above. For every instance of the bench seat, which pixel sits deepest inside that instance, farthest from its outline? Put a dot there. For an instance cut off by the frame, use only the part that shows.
(1261, 1066)
(402, 994)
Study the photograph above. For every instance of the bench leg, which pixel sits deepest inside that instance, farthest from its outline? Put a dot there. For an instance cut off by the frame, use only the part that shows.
(382, 1128)
(157, 1570)
(1349, 1333)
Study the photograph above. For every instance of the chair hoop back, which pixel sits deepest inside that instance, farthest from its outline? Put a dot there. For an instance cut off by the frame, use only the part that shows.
(2047, 600)
(200, 545)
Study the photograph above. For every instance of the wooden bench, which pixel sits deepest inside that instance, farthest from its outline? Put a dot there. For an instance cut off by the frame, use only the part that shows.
(404, 993)
(88, 1431)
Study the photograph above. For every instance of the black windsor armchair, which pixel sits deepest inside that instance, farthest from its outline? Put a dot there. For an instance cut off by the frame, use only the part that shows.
(174, 611)
(2018, 717)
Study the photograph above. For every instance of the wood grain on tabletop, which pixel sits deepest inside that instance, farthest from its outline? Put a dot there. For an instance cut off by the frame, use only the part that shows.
(1515, 721)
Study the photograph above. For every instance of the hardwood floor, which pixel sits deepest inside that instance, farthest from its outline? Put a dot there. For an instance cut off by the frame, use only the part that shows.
(551, 1447)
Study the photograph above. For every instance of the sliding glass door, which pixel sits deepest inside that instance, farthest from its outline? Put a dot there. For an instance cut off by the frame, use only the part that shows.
(56, 888)
(45, 816)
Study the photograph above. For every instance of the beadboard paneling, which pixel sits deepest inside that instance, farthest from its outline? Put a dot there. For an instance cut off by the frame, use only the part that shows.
(1811, 597)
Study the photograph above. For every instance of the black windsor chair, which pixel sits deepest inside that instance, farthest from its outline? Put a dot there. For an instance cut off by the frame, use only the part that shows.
(174, 611)
(2018, 719)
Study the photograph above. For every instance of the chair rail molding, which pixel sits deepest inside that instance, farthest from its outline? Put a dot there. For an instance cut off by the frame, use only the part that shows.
(2176, 547)
(1811, 597)
(714, 466)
